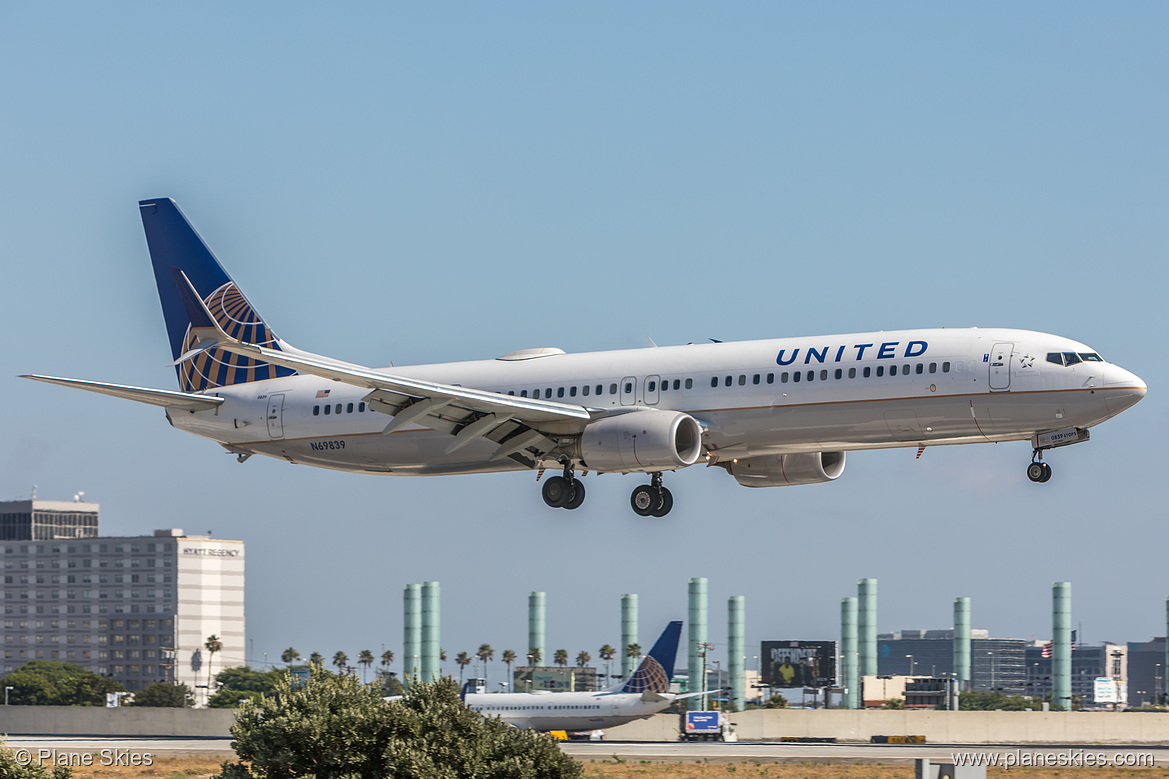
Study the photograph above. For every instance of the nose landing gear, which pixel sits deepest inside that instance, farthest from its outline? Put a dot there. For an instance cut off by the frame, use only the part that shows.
(1038, 471)
(652, 500)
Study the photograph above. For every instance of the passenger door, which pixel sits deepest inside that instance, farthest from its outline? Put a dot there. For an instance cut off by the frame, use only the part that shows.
(275, 416)
(1000, 367)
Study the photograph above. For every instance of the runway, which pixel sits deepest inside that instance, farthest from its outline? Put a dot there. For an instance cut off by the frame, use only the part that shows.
(855, 752)
(123, 748)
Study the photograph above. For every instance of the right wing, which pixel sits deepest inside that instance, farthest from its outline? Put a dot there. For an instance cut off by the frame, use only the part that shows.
(155, 397)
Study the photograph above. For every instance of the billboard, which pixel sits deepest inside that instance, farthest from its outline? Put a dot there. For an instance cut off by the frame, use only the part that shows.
(798, 663)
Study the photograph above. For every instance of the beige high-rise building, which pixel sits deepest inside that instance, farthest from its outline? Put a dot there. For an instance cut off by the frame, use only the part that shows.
(138, 608)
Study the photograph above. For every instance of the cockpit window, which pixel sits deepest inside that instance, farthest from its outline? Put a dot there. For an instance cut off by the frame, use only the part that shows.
(1071, 358)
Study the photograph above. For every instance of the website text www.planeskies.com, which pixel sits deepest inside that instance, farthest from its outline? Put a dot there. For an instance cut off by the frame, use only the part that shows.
(1065, 758)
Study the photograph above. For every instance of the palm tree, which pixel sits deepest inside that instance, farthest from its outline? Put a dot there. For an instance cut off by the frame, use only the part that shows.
(560, 657)
(486, 652)
(508, 659)
(633, 650)
(388, 658)
(339, 660)
(535, 655)
(464, 660)
(365, 658)
(317, 660)
(583, 658)
(213, 645)
(289, 656)
(607, 654)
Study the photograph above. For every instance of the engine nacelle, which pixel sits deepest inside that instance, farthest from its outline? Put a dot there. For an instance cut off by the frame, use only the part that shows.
(787, 469)
(645, 439)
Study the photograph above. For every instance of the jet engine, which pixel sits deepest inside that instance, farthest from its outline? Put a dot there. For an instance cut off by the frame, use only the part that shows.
(643, 439)
(786, 469)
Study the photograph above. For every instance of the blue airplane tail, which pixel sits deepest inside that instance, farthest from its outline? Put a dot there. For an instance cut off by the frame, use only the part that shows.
(174, 245)
(653, 675)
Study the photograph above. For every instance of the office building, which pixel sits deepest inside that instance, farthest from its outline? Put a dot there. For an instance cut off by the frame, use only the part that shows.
(1088, 664)
(45, 520)
(138, 609)
(995, 663)
(1146, 672)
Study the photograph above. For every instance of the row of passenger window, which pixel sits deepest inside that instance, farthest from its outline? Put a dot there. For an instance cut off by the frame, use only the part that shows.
(340, 408)
(599, 389)
(728, 381)
(866, 372)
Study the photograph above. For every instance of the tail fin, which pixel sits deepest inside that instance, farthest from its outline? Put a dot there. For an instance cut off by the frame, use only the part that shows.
(174, 245)
(653, 675)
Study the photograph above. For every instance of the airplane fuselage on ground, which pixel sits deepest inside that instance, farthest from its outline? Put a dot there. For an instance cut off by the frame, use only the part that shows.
(568, 710)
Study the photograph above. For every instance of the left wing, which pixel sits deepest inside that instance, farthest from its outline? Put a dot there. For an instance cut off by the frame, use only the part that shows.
(155, 397)
(467, 414)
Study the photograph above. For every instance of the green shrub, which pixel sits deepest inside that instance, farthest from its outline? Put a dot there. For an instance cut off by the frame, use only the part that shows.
(336, 727)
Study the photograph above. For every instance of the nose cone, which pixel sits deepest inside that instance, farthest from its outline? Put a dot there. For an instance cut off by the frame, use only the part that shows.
(1122, 389)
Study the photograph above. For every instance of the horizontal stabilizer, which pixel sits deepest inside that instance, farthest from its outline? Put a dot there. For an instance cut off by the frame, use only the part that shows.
(155, 397)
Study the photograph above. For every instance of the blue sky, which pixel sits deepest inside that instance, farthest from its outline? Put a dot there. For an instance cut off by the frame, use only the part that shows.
(420, 183)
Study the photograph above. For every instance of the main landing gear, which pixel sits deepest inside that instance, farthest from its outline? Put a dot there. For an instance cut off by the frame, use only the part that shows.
(564, 492)
(652, 500)
(1038, 471)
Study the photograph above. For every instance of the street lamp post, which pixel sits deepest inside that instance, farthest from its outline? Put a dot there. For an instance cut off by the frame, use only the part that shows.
(991, 655)
(910, 664)
(6, 691)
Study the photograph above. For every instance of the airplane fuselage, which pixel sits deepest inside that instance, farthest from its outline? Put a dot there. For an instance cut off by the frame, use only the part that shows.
(753, 398)
(567, 710)
(771, 412)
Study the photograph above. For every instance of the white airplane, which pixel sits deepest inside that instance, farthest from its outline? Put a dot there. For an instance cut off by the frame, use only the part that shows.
(645, 693)
(770, 412)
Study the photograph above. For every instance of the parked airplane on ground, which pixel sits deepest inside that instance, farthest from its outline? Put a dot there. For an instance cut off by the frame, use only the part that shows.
(646, 692)
(771, 413)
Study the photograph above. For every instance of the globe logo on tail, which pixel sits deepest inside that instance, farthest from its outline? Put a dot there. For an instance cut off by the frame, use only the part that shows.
(217, 368)
(649, 677)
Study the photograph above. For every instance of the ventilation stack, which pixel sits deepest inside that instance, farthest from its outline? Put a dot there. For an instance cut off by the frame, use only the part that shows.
(736, 635)
(962, 642)
(867, 626)
(536, 628)
(628, 634)
(1061, 640)
(697, 644)
(848, 652)
(431, 667)
(411, 631)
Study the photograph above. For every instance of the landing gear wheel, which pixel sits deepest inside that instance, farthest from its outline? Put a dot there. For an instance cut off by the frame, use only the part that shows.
(645, 500)
(557, 491)
(1046, 473)
(1036, 471)
(667, 503)
(578, 495)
